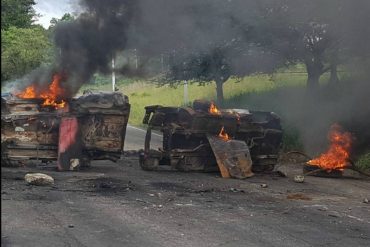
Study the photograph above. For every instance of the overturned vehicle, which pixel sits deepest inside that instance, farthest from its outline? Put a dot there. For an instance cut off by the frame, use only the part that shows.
(204, 138)
(92, 126)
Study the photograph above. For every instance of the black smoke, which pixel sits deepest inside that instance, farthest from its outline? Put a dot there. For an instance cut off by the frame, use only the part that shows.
(87, 44)
(154, 27)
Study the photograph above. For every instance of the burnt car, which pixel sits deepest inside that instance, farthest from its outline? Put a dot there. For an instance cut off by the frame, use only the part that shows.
(92, 126)
(187, 130)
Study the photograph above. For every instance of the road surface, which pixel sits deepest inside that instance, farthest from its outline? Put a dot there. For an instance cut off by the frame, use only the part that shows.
(135, 138)
(118, 204)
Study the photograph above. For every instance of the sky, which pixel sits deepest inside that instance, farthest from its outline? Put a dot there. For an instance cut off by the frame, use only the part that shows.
(53, 8)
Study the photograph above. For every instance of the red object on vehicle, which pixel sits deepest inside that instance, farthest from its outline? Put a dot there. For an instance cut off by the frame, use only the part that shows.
(68, 147)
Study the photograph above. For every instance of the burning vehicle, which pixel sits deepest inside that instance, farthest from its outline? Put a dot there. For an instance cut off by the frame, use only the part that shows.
(237, 142)
(41, 125)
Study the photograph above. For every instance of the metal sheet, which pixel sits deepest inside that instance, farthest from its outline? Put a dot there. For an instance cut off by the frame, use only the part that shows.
(233, 157)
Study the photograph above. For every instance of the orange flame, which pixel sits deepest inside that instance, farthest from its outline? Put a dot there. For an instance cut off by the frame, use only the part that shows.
(28, 93)
(337, 156)
(223, 135)
(213, 109)
(50, 95)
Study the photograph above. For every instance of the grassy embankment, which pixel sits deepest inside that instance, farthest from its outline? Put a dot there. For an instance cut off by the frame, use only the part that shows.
(142, 93)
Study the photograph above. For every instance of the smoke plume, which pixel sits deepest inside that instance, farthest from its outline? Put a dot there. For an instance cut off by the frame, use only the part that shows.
(87, 44)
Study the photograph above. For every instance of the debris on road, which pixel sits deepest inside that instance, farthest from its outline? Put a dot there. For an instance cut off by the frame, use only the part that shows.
(264, 185)
(232, 157)
(39, 179)
(298, 178)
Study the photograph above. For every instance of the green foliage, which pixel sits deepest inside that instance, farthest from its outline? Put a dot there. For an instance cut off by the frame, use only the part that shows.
(17, 13)
(22, 50)
(66, 17)
(363, 162)
(291, 139)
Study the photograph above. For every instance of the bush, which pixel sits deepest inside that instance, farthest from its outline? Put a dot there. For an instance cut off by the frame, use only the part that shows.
(363, 162)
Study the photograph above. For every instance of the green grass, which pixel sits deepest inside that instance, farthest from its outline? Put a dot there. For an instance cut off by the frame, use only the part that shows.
(142, 93)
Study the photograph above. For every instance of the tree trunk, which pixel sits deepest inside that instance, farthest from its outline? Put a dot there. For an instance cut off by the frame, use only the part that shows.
(333, 74)
(220, 92)
(313, 82)
(314, 71)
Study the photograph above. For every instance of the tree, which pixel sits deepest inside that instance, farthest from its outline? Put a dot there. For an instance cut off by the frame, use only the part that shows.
(299, 35)
(232, 59)
(18, 13)
(202, 67)
(206, 41)
(320, 34)
(66, 17)
(22, 50)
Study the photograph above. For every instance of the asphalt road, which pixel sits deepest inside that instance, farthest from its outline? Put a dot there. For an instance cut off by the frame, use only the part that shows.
(118, 204)
(135, 138)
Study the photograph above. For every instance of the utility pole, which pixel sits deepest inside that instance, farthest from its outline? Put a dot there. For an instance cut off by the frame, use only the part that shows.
(162, 63)
(186, 100)
(136, 58)
(113, 76)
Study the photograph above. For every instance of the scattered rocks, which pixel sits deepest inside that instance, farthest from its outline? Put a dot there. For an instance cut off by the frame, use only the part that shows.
(334, 214)
(298, 178)
(365, 200)
(39, 179)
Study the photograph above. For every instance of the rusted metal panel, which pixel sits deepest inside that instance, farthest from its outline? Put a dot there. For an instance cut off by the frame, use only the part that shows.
(232, 157)
(104, 132)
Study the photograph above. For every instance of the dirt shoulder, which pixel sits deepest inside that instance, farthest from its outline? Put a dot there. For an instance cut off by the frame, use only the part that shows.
(115, 204)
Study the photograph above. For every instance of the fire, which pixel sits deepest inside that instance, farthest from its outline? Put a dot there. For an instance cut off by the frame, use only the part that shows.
(49, 95)
(213, 109)
(223, 135)
(337, 156)
(28, 93)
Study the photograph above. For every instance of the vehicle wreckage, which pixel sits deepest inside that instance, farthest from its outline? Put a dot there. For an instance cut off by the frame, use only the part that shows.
(237, 142)
(89, 127)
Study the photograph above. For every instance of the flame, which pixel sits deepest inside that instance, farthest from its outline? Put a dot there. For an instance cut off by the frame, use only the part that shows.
(213, 109)
(223, 135)
(55, 91)
(49, 95)
(28, 93)
(337, 156)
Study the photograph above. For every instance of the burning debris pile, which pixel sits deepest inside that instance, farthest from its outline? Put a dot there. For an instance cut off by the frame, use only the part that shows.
(337, 157)
(205, 138)
(44, 125)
